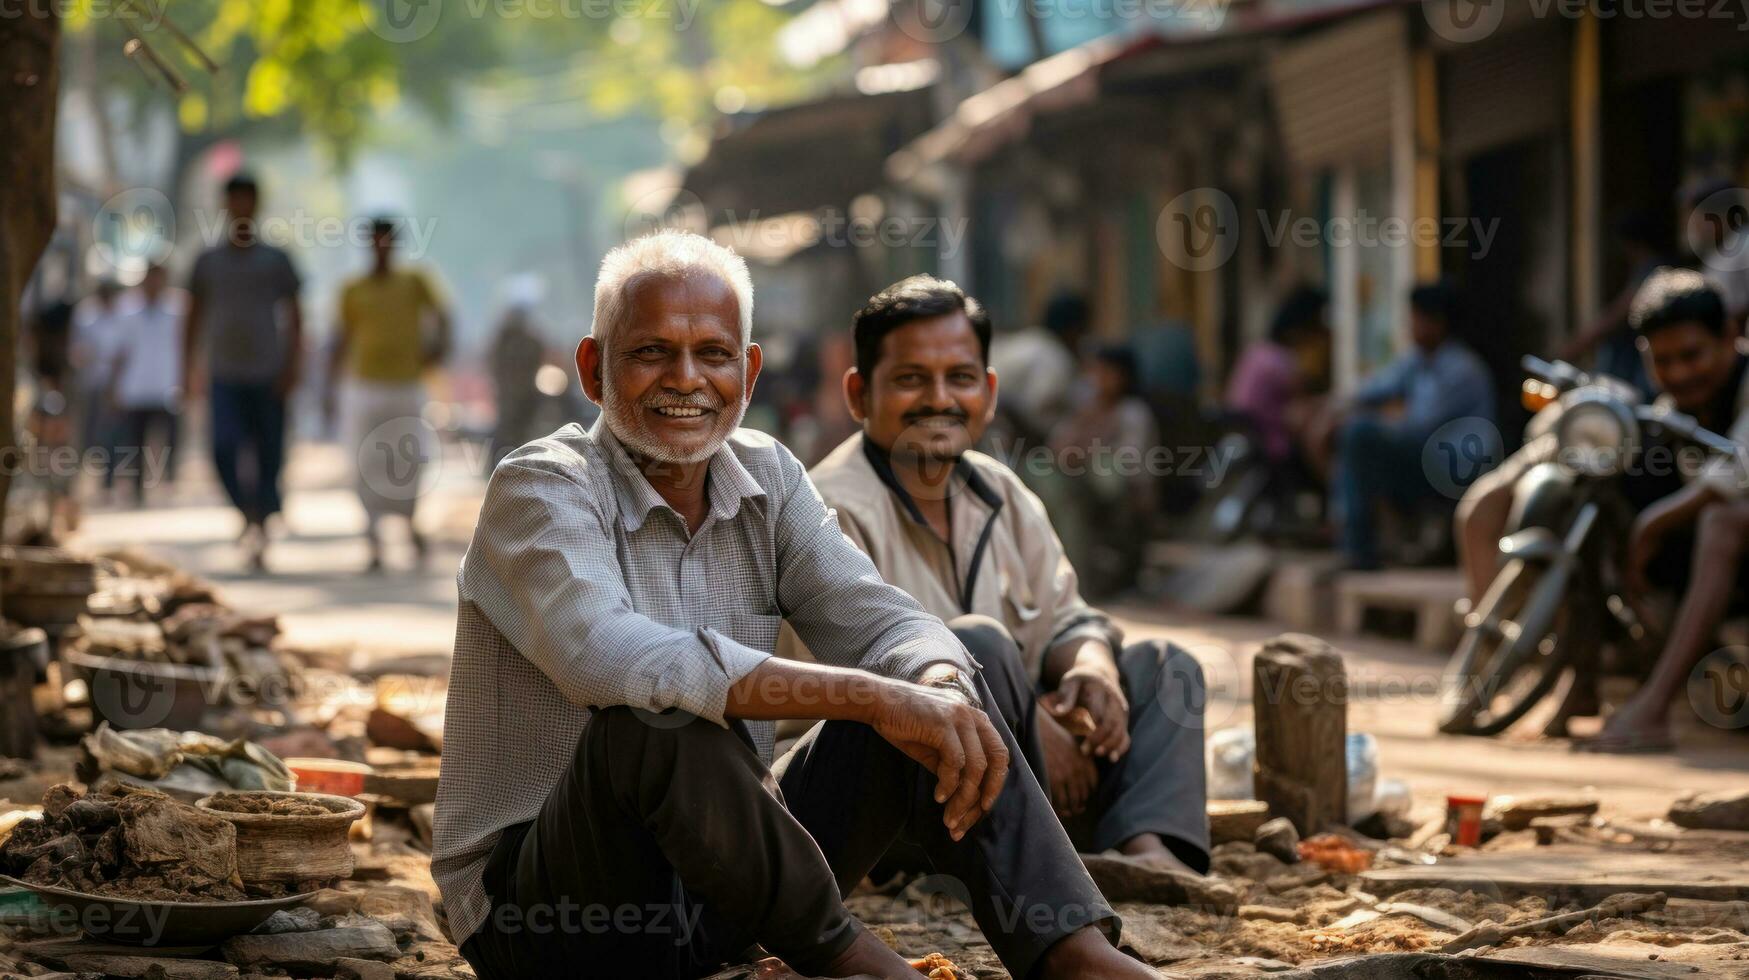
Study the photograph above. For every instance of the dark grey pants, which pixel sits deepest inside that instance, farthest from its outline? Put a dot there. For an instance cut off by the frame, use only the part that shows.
(1161, 785)
(668, 850)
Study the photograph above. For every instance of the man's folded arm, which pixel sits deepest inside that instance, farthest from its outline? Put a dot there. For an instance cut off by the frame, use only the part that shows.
(835, 600)
(542, 570)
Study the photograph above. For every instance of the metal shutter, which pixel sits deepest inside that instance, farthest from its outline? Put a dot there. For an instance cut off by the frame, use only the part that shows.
(1335, 91)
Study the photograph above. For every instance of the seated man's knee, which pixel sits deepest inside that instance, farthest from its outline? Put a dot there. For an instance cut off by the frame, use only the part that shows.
(999, 659)
(1168, 674)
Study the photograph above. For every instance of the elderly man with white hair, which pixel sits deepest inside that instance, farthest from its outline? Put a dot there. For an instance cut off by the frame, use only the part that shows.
(608, 804)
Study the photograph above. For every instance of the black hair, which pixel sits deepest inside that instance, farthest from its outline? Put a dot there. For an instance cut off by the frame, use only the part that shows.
(916, 298)
(1671, 296)
(384, 224)
(1437, 300)
(1067, 314)
(242, 182)
(1122, 357)
(1303, 307)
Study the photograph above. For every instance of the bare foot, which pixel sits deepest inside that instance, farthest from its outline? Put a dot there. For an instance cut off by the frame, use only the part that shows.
(1581, 701)
(869, 957)
(1087, 953)
(1631, 730)
(1150, 849)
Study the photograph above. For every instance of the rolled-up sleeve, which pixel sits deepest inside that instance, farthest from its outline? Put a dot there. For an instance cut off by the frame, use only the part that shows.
(835, 600)
(543, 571)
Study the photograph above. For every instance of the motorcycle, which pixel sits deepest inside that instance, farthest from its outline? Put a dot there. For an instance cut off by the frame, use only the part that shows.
(1558, 597)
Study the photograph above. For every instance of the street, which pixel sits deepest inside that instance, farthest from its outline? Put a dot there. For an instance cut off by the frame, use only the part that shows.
(323, 599)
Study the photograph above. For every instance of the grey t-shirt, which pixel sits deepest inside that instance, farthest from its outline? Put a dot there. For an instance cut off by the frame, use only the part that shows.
(240, 291)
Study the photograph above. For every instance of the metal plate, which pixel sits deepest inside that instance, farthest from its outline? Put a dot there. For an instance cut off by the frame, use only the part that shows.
(148, 923)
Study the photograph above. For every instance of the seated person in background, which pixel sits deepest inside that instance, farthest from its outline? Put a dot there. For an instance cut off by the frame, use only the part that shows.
(1102, 449)
(1269, 380)
(1381, 438)
(1691, 356)
(608, 737)
(959, 532)
(1637, 236)
(1694, 540)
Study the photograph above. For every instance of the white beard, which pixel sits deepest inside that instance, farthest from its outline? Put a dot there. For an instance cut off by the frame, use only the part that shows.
(626, 421)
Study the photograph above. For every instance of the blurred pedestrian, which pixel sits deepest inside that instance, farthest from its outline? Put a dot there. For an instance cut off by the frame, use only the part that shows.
(1381, 440)
(1269, 382)
(516, 356)
(1105, 448)
(95, 332)
(243, 315)
(1037, 366)
(393, 325)
(145, 372)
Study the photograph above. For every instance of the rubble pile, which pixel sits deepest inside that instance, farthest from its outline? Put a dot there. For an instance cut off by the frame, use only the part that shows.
(132, 844)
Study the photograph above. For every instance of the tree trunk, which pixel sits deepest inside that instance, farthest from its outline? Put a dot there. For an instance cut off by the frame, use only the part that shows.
(29, 84)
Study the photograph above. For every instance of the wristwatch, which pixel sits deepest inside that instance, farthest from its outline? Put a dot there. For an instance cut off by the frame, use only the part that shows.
(955, 680)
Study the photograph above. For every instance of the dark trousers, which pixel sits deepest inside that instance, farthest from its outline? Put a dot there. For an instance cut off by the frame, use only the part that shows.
(249, 420)
(139, 426)
(668, 849)
(1160, 785)
(1377, 462)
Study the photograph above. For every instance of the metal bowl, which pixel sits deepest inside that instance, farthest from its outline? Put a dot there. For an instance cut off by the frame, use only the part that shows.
(148, 923)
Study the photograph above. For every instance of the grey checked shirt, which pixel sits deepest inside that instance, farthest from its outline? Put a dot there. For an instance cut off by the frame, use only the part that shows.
(582, 589)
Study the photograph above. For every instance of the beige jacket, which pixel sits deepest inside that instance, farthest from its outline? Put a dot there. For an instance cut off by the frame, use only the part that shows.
(1005, 561)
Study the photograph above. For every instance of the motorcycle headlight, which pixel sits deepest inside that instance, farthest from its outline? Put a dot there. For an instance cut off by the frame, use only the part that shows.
(1596, 438)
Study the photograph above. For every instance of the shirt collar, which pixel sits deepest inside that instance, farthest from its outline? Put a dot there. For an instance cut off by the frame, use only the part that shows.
(728, 481)
(963, 474)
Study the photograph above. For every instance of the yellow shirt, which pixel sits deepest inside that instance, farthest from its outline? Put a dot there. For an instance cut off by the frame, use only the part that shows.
(384, 318)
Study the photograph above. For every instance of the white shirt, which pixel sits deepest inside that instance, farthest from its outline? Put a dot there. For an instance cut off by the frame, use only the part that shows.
(147, 351)
(95, 330)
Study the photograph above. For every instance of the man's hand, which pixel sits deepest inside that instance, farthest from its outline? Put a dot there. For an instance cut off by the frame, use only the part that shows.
(1070, 775)
(1092, 684)
(943, 733)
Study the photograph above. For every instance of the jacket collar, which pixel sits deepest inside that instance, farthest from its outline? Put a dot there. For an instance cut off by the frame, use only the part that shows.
(963, 475)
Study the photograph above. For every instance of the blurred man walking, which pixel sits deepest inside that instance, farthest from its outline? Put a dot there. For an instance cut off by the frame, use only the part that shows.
(393, 325)
(243, 312)
(146, 380)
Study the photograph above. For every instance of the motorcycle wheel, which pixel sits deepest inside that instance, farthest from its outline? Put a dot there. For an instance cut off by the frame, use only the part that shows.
(1483, 692)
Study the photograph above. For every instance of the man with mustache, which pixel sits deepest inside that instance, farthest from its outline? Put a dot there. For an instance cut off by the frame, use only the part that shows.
(959, 531)
(608, 804)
